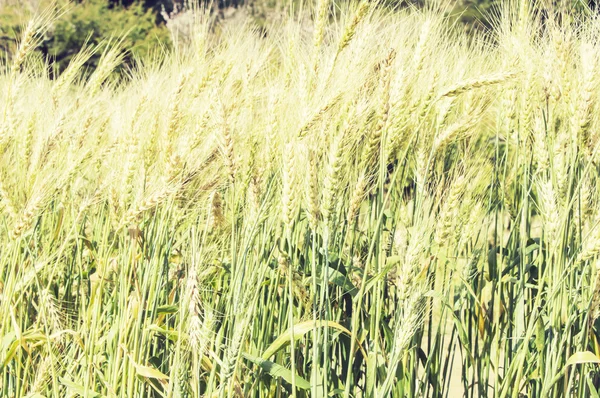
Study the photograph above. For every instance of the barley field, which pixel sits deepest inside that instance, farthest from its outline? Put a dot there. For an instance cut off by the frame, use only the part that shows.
(350, 202)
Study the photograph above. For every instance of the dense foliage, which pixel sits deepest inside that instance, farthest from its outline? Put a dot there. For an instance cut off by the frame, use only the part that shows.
(89, 23)
(141, 23)
(379, 204)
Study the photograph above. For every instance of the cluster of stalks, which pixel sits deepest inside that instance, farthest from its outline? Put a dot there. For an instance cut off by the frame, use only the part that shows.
(388, 208)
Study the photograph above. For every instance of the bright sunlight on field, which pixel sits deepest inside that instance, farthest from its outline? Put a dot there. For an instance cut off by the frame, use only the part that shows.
(350, 202)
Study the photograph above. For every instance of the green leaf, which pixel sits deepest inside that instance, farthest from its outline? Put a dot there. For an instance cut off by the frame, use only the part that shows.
(390, 263)
(151, 373)
(592, 390)
(277, 370)
(8, 339)
(342, 281)
(371, 373)
(10, 344)
(338, 278)
(531, 248)
(147, 371)
(393, 260)
(167, 309)
(77, 388)
(583, 357)
(171, 334)
(300, 330)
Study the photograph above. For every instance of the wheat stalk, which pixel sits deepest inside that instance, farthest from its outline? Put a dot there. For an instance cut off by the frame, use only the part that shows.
(357, 198)
(475, 83)
(350, 29)
(319, 33)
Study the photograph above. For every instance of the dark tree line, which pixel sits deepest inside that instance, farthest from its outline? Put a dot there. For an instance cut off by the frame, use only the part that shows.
(92, 22)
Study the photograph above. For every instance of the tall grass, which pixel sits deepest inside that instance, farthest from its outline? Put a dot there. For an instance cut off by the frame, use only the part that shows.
(377, 206)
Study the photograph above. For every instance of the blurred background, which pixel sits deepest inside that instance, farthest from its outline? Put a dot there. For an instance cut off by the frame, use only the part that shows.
(146, 28)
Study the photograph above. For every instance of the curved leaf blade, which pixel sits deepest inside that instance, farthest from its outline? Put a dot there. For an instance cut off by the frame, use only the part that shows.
(583, 357)
(300, 329)
(277, 370)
